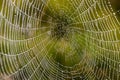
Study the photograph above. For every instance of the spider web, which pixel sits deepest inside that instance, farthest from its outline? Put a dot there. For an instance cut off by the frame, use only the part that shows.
(29, 49)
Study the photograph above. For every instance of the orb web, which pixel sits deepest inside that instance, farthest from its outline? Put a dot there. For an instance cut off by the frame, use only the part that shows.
(59, 40)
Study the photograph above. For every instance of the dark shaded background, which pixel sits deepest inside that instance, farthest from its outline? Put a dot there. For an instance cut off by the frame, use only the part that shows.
(115, 4)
